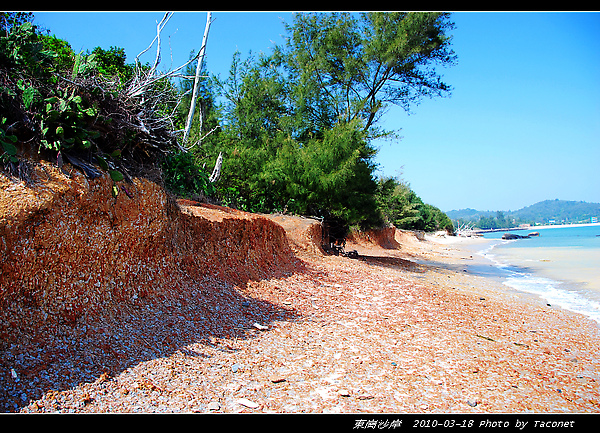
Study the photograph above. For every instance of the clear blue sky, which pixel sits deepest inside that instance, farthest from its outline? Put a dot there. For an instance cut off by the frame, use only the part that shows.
(522, 124)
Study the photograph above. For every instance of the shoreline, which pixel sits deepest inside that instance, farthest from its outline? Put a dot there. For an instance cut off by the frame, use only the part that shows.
(541, 227)
(489, 279)
(557, 226)
(503, 280)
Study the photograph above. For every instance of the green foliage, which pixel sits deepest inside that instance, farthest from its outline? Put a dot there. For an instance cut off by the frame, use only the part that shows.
(22, 48)
(63, 116)
(184, 177)
(9, 150)
(438, 220)
(295, 128)
(74, 103)
(400, 206)
(268, 168)
(84, 65)
(112, 63)
(396, 203)
(64, 121)
(330, 175)
(298, 124)
(64, 56)
(341, 67)
(8, 20)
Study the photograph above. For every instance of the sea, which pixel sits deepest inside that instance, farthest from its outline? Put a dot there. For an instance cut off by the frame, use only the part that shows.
(561, 265)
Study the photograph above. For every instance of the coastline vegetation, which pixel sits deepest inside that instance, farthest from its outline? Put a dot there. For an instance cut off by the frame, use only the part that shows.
(295, 129)
(546, 212)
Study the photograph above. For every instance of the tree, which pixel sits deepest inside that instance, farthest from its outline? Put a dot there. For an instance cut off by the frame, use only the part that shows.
(298, 124)
(112, 63)
(251, 132)
(345, 68)
(330, 176)
(401, 206)
(394, 202)
(8, 20)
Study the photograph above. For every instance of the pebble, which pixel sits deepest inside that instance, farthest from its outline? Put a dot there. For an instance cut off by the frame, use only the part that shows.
(235, 368)
(247, 403)
(214, 405)
(277, 379)
(472, 403)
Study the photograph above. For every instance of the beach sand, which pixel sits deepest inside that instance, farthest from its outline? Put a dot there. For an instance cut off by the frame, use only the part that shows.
(426, 327)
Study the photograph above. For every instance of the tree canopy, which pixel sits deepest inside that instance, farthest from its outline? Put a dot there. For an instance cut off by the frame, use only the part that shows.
(344, 67)
(295, 128)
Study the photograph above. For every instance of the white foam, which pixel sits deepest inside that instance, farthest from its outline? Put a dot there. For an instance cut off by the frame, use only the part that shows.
(552, 291)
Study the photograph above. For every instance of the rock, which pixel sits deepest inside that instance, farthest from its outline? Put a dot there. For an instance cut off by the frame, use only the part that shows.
(261, 327)
(214, 405)
(472, 403)
(235, 368)
(511, 236)
(247, 403)
(277, 379)
(344, 393)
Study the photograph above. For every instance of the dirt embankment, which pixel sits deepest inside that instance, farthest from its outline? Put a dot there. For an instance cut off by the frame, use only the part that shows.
(137, 303)
(73, 247)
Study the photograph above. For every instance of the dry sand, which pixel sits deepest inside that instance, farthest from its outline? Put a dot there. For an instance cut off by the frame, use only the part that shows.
(410, 326)
(403, 330)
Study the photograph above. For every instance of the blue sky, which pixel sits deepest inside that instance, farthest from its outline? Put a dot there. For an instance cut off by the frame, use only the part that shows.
(522, 124)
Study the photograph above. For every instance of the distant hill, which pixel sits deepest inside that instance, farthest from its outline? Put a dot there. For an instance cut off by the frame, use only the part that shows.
(469, 214)
(541, 212)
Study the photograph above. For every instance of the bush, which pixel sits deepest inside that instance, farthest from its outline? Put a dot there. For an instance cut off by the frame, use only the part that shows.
(183, 176)
(75, 107)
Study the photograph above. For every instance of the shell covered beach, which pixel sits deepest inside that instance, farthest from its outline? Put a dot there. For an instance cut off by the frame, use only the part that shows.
(143, 305)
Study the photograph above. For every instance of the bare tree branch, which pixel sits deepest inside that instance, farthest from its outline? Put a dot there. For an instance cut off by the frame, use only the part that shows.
(197, 79)
(217, 170)
(159, 28)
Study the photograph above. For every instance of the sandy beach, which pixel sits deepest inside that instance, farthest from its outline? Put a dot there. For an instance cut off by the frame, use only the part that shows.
(417, 328)
(143, 305)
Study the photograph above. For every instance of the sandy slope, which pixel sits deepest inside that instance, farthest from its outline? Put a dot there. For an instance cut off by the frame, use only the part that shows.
(402, 328)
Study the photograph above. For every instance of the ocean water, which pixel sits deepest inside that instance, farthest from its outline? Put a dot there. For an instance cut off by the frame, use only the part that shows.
(561, 266)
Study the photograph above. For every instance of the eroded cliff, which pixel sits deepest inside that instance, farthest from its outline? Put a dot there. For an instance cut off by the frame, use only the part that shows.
(73, 247)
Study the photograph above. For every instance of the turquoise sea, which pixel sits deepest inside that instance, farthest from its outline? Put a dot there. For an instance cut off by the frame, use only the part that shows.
(561, 265)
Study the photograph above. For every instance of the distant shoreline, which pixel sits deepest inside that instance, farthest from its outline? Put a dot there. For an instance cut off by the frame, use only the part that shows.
(553, 226)
(550, 226)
